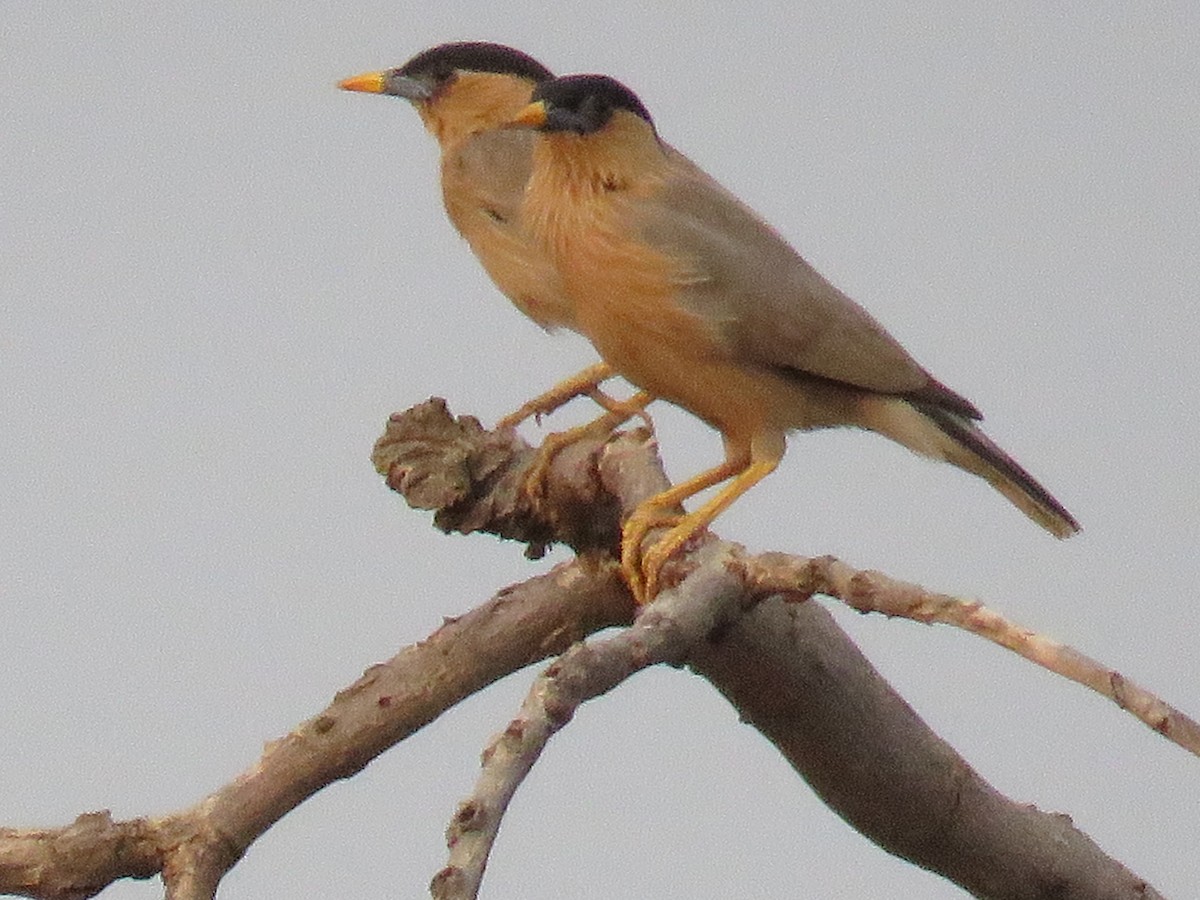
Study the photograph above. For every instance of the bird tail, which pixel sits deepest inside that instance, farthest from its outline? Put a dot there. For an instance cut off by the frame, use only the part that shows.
(970, 449)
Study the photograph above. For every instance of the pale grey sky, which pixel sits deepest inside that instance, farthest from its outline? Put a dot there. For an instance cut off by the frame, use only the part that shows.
(218, 275)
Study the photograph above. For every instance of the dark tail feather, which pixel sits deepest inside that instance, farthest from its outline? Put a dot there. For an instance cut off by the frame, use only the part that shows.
(976, 453)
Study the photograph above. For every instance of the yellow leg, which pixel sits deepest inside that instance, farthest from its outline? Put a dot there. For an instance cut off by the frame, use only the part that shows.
(580, 384)
(619, 411)
(745, 469)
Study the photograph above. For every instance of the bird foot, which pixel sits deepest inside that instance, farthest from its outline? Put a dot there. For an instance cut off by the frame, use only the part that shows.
(554, 444)
(641, 568)
(618, 412)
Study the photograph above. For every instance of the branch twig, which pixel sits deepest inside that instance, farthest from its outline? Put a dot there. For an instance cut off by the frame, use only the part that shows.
(665, 632)
(195, 847)
(869, 591)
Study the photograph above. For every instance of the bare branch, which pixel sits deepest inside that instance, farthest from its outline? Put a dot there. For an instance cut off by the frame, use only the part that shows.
(868, 591)
(474, 480)
(786, 667)
(793, 674)
(664, 632)
(809, 689)
(79, 860)
(195, 847)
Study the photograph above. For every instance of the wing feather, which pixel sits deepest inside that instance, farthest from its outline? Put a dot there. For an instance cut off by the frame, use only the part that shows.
(767, 302)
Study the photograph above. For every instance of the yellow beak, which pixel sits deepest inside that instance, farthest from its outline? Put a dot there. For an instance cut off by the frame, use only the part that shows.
(367, 83)
(532, 116)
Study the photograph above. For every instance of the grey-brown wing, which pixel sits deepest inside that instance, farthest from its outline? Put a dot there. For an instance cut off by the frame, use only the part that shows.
(767, 302)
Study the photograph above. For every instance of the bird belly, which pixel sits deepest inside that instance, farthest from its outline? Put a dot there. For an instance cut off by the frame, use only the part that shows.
(624, 297)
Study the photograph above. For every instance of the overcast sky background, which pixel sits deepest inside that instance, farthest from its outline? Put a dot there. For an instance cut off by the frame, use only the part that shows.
(219, 275)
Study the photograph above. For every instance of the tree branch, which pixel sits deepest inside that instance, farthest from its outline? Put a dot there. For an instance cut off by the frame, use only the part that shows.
(664, 633)
(793, 674)
(868, 591)
(194, 848)
(785, 666)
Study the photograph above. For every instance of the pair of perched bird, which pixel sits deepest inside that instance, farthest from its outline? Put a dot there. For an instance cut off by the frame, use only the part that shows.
(587, 220)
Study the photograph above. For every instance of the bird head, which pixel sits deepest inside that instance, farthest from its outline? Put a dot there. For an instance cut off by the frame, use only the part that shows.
(580, 104)
(424, 76)
(460, 88)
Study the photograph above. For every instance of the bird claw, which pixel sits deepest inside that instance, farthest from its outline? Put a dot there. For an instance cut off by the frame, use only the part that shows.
(537, 476)
(618, 412)
(641, 568)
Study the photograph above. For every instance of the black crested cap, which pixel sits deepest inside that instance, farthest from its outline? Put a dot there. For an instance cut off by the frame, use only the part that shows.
(585, 103)
(442, 61)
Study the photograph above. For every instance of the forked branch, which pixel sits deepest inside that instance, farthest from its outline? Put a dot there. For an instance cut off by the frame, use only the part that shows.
(785, 666)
